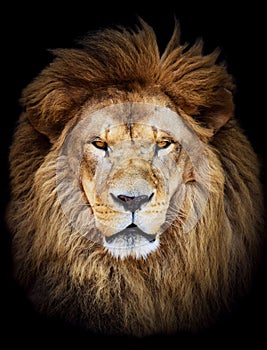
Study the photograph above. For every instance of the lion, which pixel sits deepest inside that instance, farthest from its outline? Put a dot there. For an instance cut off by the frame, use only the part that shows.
(136, 201)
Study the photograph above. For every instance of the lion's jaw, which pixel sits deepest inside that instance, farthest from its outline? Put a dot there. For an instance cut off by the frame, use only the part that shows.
(129, 172)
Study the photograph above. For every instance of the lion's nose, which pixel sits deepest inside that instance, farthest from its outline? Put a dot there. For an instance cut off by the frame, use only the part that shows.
(132, 203)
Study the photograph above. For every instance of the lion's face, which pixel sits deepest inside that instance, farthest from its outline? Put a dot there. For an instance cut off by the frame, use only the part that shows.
(132, 160)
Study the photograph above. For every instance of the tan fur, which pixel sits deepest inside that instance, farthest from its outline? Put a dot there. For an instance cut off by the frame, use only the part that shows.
(191, 278)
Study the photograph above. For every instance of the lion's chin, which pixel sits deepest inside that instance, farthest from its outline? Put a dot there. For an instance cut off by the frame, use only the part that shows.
(131, 242)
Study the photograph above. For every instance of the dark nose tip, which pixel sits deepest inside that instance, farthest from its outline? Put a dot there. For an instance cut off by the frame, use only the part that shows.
(132, 203)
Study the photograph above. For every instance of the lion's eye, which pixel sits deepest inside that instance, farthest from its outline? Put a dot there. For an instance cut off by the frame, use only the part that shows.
(100, 145)
(163, 144)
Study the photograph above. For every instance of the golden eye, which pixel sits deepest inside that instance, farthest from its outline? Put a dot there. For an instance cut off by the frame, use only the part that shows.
(100, 144)
(163, 144)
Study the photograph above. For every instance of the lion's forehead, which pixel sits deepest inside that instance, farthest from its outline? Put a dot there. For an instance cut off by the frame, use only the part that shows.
(133, 131)
(133, 120)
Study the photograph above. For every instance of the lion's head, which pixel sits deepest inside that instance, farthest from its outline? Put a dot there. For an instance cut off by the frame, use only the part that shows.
(135, 194)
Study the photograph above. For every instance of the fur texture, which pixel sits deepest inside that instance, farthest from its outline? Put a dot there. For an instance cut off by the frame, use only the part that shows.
(190, 279)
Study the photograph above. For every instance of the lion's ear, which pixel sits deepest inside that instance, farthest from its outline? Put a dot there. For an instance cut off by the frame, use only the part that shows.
(45, 112)
(49, 105)
(219, 110)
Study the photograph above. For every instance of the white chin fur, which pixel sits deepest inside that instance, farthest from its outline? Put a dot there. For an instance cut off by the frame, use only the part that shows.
(138, 247)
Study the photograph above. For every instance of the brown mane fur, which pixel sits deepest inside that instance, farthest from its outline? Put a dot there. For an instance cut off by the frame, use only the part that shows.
(186, 283)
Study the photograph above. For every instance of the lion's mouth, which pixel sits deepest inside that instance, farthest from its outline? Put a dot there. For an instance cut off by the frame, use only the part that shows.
(130, 233)
(131, 241)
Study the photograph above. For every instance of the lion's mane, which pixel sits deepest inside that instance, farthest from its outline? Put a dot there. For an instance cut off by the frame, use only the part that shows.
(192, 277)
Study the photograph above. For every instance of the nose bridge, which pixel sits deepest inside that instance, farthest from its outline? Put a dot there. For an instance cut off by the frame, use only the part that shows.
(132, 179)
(135, 174)
(137, 167)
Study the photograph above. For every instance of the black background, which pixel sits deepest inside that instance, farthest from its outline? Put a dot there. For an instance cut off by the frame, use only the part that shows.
(28, 30)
